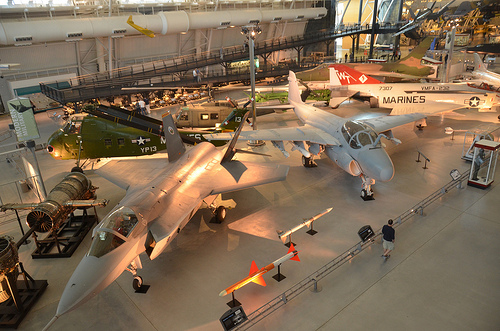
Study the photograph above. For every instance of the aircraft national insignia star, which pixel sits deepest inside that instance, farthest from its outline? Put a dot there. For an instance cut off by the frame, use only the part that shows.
(140, 141)
(474, 101)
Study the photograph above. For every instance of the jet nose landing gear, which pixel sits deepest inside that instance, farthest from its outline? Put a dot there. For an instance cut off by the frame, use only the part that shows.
(137, 283)
(367, 192)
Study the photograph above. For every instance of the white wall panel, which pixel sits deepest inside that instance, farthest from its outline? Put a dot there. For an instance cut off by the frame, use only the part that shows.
(37, 57)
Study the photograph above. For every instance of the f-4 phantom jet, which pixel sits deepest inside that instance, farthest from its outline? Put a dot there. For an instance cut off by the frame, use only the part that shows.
(156, 208)
(354, 145)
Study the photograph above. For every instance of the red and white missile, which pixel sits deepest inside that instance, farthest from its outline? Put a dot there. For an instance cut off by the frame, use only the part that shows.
(255, 274)
(307, 222)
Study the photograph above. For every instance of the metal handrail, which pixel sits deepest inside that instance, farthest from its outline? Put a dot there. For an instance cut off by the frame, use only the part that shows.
(274, 304)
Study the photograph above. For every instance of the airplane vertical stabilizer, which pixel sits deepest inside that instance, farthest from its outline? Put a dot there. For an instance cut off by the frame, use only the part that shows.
(175, 147)
(231, 149)
(416, 55)
(293, 89)
(478, 64)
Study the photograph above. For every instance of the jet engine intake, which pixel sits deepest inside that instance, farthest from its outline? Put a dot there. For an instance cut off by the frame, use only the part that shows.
(345, 161)
(53, 211)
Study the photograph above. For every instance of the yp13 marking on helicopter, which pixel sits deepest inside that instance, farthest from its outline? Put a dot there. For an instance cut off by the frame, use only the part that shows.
(354, 145)
(157, 206)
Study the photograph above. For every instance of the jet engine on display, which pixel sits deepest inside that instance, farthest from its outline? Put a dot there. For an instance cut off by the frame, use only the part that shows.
(9, 259)
(74, 191)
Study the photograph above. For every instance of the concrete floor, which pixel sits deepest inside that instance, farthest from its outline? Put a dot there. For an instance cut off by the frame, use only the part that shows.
(444, 273)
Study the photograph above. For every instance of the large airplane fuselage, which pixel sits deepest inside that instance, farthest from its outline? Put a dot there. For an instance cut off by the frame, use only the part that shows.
(356, 159)
(173, 195)
(416, 95)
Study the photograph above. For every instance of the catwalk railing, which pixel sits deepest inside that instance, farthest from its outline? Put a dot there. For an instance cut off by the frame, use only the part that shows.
(101, 84)
(310, 281)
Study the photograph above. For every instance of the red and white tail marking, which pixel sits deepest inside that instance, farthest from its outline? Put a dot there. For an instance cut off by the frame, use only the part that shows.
(343, 75)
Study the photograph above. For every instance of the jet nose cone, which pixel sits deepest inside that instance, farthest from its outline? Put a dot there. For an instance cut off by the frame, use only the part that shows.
(387, 173)
(376, 164)
(86, 282)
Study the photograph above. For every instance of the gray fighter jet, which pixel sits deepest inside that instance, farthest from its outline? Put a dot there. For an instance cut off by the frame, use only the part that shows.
(153, 212)
(354, 145)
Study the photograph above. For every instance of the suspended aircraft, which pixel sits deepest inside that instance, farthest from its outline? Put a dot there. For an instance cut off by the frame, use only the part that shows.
(158, 204)
(142, 30)
(408, 68)
(404, 98)
(354, 145)
(421, 16)
(89, 137)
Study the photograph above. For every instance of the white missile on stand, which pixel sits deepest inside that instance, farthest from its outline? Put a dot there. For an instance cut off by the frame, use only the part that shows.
(307, 222)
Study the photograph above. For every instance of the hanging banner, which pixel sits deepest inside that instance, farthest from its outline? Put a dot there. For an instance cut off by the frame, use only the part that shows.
(21, 113)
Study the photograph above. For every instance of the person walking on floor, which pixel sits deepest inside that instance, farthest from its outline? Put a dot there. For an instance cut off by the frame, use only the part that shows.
(388, 239)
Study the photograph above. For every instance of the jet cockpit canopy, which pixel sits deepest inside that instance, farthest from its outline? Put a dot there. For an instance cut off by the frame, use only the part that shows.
(113, 231)
(358, 134)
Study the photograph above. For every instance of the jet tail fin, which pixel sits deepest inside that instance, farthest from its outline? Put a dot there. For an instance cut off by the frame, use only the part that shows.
(293, 89)
(345, 75)
(418, 52)
(231, 149)
(478, 63)
(175, 147)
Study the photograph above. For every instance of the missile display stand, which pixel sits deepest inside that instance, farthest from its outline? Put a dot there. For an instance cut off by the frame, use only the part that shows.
(17, 296)
(63, 241)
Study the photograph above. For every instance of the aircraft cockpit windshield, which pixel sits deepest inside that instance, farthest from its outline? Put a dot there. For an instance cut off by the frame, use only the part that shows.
(72, 127)
(358, 134)
(115, 228)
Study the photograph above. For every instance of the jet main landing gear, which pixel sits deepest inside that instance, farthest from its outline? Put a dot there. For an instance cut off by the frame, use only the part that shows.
(220, 214)
(308, 162)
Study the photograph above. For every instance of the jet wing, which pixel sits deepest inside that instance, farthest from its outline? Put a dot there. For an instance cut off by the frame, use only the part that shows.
(429, 108)
(162, 227)
(145, 169)
(238, 175)
(384, 123)
(301, 133)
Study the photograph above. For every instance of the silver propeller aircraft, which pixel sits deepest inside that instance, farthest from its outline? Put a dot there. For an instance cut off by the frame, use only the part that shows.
(152, 213)
(354, 145)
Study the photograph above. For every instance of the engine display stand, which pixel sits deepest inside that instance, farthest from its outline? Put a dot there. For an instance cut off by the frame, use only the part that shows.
(25, 293)
(65, 240)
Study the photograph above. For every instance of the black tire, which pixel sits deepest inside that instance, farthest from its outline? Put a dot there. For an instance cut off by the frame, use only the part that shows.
(220, 214)
(77, 169)
(364, 194)
(306, 161)
(137, 283)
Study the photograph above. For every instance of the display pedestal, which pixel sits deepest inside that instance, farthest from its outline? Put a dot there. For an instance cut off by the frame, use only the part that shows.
(24, 294)
(65, 240)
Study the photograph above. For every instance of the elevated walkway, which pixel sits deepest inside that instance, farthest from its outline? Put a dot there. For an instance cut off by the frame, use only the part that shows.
(176, 71)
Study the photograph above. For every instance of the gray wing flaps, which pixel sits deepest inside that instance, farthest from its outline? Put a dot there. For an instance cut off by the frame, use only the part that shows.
(247, 174)
(175, 147)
